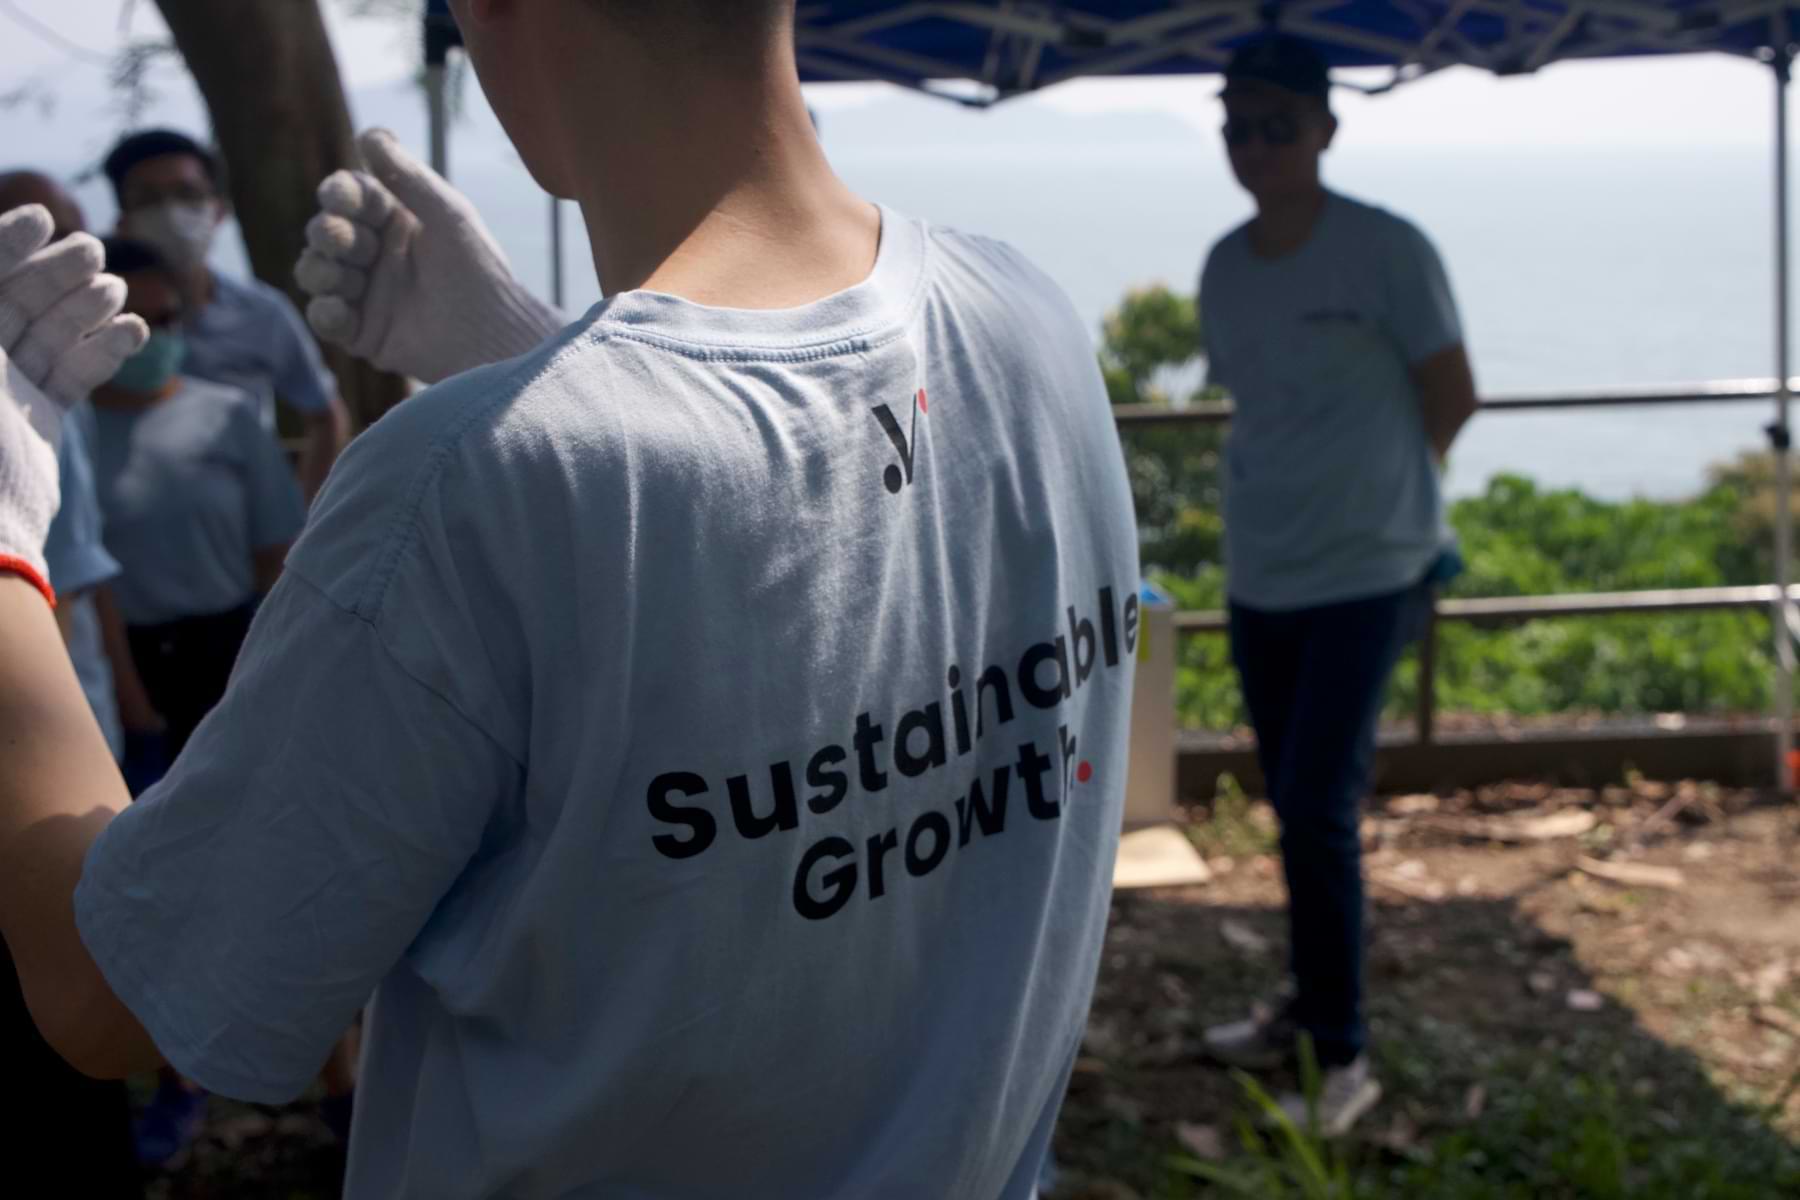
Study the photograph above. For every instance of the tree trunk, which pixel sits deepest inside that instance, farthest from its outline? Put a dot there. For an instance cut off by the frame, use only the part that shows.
(270, 81)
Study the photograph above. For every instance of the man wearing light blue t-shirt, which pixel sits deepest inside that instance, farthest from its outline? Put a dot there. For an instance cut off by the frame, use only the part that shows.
(1333, 326)
(702, 727)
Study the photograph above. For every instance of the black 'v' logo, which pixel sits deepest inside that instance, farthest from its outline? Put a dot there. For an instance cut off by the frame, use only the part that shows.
(898, 476)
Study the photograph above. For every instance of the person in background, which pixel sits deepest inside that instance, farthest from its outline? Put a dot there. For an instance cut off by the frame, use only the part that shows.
(89, 613)
(200, 504)
(67, 1134)
(244, 334)
(200, 507)
(1333, 326)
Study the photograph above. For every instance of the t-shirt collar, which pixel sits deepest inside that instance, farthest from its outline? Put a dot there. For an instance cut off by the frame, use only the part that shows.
(881, 301)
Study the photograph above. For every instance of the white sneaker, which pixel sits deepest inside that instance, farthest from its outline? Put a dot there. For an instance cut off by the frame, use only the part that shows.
(1262, 1041)
(1345, 1094)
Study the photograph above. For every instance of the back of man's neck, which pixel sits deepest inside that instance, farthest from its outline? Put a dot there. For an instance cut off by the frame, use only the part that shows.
(743, 212)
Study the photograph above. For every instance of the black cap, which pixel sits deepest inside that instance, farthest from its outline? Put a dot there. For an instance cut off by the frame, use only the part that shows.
(1279, 60)
(154, 143)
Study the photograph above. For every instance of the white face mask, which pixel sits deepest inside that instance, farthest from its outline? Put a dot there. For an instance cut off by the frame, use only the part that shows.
(181, 231)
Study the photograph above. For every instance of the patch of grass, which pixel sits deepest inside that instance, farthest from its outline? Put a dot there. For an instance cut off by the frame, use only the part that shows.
(1544, 1137)
(1232, 826)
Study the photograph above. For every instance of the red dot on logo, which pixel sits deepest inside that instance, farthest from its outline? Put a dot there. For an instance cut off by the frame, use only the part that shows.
(923, 407)
(1084, 772)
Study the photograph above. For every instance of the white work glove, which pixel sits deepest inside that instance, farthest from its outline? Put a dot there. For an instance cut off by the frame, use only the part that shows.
(60, 337)
(403, 273)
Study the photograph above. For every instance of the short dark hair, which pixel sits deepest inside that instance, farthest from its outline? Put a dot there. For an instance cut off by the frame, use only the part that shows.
(154, 143)
(125, 256)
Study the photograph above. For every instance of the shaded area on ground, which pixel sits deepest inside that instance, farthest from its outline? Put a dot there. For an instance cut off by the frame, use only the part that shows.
(1533, 1022)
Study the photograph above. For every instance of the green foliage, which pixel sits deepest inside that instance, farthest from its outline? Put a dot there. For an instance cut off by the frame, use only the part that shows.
(1544, 1137)
(1750, 481)
(1152, 332)
(1149, 349)
(1286, 1160)
(1517, 540)
(1520, 540)
(1230, 825)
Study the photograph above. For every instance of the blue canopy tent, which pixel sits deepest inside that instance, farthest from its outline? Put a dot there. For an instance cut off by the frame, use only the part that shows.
(1007, 48)
(981, 52)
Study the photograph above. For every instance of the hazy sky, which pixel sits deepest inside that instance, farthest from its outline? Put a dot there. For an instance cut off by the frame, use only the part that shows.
(1674, 102)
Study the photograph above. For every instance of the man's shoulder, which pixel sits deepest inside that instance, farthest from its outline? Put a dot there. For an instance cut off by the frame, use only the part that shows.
(453, 446)
(977, 267)
(1372, 225)
(1232, 244)
(979, 251)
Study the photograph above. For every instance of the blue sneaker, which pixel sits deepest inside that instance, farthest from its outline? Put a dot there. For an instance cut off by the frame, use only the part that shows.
(171, 1121)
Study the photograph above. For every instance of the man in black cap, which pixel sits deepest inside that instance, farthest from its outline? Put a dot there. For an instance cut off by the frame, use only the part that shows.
(1333, 325)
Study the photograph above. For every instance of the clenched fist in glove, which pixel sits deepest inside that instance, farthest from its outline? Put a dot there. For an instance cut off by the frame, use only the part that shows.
(403, 273)
(61, 336)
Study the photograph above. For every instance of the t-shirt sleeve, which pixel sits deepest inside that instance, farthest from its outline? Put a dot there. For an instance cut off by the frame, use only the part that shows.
(247, 906)
(1422, 314)
(277, 510)
(302, 380)
(74, 549)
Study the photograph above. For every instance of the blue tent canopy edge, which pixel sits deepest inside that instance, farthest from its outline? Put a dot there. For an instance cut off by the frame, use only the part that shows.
(1008, 48)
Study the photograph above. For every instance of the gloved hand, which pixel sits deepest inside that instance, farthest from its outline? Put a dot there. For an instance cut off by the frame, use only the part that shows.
(60, 337)
(403, 273)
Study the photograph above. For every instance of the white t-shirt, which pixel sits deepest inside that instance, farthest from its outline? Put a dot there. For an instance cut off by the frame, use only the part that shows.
(706, 735)
(1331, 491)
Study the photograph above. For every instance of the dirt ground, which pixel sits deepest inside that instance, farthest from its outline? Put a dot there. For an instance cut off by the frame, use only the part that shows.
(1500, 956)
(1493, 963)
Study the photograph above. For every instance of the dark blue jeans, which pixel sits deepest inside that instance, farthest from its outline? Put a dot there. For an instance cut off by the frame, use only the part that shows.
(1313, 681)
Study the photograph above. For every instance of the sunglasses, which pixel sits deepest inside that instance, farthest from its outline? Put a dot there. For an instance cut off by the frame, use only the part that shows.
(1279, 129)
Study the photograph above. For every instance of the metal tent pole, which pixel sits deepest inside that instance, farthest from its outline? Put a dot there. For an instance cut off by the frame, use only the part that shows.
(1780, 439)
(556, 253)
(437, 96)
(441, 36)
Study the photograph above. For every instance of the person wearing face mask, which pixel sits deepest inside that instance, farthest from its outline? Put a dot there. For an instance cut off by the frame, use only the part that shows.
(80, 569)
(200, 507)
(241, 333)
(199, 502)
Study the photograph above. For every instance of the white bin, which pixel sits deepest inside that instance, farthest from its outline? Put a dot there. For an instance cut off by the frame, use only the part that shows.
(1150, 774)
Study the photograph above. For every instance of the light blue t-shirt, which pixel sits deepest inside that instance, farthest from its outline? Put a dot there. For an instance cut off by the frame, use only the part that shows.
(76, 554)
(251, 336)
(705, 735)
(1331, 491)
(191, 488)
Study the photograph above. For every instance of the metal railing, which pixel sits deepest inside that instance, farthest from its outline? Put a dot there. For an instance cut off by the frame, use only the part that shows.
(1507, 610)
(1723, 391)
(1512, 610)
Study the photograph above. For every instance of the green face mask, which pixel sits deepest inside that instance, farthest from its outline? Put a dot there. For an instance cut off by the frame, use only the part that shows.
(152, 367)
